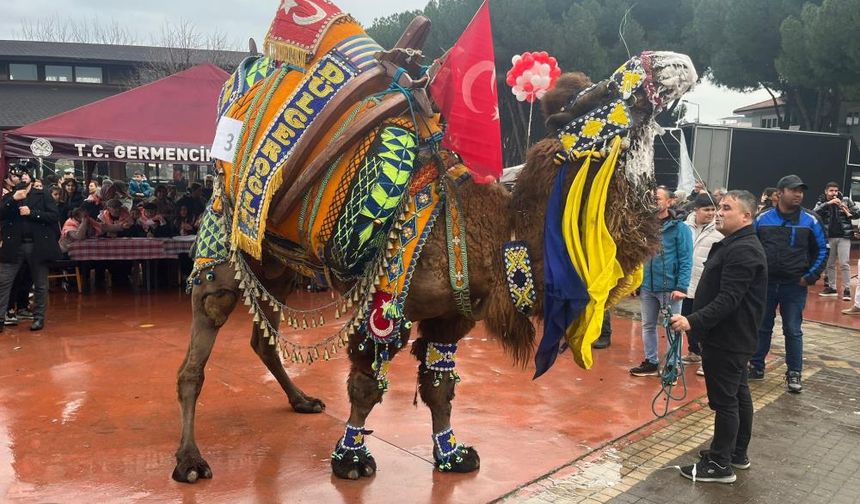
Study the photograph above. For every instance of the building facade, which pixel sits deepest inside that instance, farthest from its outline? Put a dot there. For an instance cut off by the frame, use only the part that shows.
(42, 79)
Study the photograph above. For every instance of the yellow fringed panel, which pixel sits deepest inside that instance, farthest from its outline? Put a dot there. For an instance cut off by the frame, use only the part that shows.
(595, 251)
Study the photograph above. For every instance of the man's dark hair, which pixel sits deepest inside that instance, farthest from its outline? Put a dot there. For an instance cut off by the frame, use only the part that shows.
(745, 198)
(831, 184)
(669, 193)
(768, 191)
(114, 203)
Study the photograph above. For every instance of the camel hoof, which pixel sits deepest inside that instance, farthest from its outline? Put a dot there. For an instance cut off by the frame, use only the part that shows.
(465, 460)
(308, 405)
(352, 464)
(191, 470)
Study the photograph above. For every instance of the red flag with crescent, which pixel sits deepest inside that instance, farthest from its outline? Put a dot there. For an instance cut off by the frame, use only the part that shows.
(465, 91)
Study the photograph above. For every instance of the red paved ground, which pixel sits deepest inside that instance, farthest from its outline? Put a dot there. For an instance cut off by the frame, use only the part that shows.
(828, 310)
(88, 408)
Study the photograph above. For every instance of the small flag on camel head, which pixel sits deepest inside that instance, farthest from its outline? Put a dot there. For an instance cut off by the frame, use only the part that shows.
(465, 91)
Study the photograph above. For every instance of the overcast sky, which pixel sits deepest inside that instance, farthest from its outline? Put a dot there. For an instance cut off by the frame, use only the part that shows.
(241, 19)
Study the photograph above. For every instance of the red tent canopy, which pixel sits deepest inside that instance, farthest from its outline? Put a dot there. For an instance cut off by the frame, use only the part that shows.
(171, 120)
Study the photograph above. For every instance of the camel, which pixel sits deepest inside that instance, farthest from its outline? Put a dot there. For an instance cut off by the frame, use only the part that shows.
(430, 302)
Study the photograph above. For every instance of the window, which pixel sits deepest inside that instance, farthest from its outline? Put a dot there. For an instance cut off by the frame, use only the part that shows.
(23, 71)
(57, 73)
(88, 75)
(852, 119)
(769, 123)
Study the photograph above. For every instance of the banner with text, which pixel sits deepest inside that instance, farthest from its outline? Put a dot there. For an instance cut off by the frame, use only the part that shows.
(22, 146)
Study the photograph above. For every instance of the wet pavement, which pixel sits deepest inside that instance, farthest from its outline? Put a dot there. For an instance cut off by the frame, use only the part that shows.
(88, 407)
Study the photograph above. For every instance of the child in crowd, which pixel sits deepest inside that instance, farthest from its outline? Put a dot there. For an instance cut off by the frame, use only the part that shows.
(116, 219)
(185, 223)
(153, 223)
(139, 187)
(79, 226)
(94, 189)
(164, 205)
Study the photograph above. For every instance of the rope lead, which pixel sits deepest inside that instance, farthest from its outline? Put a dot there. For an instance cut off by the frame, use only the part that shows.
(672, 368)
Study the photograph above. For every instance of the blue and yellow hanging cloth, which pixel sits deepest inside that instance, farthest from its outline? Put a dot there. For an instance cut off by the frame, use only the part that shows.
(565, 295)
(592, 251)
(581, 267)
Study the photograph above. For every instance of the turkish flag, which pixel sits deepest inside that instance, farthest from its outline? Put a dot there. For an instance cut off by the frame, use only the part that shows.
(465, 91)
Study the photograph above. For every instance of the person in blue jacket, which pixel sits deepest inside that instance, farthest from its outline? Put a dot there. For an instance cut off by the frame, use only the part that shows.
(138, 187)
(796, 247)
(666, 280)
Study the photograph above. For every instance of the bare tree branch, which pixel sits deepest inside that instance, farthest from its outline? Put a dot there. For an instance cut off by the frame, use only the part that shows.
(82, 30)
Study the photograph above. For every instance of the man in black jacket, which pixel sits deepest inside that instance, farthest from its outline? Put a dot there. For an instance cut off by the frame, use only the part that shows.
(29, 233)
(836, 213)
(727, 311)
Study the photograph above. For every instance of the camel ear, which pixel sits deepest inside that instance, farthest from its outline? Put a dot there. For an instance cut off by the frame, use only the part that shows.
(555, 122)
(566, 87)
(252, 46)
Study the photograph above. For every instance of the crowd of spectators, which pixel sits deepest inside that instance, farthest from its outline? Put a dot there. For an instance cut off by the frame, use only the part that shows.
(105, 208)
(114, 208)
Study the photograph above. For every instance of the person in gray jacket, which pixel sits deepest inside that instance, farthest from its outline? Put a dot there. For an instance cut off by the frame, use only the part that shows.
(705, 234)
(836, 212)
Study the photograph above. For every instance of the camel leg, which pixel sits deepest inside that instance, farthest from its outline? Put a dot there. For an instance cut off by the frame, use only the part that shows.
(436, 381)
(300, 402)
(212, 302)
(351, 458)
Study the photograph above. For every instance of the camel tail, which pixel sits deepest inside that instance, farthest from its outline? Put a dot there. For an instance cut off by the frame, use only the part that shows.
(514, 330)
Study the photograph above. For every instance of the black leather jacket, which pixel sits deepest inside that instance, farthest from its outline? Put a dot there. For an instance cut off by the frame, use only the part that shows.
(837, 224)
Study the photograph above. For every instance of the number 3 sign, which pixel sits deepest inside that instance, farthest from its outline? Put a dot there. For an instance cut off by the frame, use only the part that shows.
(226, 137)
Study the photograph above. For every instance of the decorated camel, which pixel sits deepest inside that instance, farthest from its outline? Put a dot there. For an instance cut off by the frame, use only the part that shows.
(335, 170)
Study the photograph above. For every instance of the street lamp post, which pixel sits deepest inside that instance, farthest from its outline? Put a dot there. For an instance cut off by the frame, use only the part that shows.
(698, 109)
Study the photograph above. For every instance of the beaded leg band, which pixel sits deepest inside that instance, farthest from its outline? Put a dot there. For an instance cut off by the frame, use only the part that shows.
(352, 444)
(446, 450)
(441, 359)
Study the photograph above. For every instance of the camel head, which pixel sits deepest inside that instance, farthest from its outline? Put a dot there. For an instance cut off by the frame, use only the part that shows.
(624, 104)
(644, 85)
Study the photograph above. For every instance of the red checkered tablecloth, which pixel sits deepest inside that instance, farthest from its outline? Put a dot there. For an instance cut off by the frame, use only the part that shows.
(128, 249)
(179, 245)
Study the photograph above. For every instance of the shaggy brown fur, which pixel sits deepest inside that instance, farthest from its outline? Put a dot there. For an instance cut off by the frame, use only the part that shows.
(485, 209)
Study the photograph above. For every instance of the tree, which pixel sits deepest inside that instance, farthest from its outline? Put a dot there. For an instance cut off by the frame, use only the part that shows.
(180, 46)
(175, 48)
(582, 34)
(86, 31)
(821, 61)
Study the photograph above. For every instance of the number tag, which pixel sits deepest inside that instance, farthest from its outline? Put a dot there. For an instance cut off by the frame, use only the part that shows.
(226, 138)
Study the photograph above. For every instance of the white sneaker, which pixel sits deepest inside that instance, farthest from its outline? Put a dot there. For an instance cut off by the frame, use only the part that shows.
(691, 358)
(700, 371)
(854, 310)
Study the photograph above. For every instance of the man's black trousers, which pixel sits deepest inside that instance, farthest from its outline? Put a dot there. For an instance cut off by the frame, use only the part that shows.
(729, 397)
